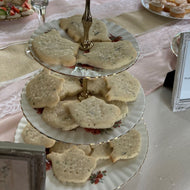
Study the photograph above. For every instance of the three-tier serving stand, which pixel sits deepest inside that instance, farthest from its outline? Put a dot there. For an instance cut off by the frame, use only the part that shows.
(79, 135)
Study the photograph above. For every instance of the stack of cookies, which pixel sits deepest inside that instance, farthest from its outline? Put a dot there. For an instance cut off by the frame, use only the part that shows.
(106, 104)
(53, 49)
(73, 164)
(57, 96)
(176, 8)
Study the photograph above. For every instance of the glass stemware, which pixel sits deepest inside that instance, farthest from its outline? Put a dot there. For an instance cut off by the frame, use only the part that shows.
(40, 7)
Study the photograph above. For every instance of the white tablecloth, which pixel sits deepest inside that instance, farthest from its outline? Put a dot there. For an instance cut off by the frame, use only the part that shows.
(167, 164)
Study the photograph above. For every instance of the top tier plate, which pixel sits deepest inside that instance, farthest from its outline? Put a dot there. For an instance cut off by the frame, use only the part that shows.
(78, 70)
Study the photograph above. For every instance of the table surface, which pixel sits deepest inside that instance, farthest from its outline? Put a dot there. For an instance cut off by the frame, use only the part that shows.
(167, 164)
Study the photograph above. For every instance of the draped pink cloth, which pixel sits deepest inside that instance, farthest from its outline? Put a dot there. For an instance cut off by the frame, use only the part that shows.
(152, 72)
(8, 126)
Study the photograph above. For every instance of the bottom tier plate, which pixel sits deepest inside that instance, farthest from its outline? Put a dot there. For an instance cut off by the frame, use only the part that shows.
(116, 174)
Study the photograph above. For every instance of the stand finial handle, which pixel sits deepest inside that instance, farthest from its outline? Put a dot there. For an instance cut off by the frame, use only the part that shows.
(87, 22)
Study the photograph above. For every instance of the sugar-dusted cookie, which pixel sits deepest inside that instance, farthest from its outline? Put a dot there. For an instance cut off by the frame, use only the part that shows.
(60, 147)
(59, 116)
(123, 108)
(109, 55)
(97, 86)
(74, 28)
(122, 87)
(72, 165)
(94, 113)
(32, 136)
(101, 151)
(43, 90)
(53, 49)
(126, 146)
(71, 87)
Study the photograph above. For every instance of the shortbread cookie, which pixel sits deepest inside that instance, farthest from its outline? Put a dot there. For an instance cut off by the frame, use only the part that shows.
(59, 116)
(123, 108)
(43, 90)
(97, 86)
(72, 166)
(109, 55)
(101, 151)
(71, 87)
(61, 147)
(74, 28)
(53, 49)
(32, 136)
(123, 87)
(94, 113)
(126, 146)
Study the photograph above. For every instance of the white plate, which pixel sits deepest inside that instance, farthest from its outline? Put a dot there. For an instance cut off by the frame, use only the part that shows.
(117, 173)
(145, 4)
(80, 135)
(175, 44)
(80, 71)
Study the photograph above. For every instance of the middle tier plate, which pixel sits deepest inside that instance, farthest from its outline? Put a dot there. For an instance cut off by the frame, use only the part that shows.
(80, 135)
(82, 71)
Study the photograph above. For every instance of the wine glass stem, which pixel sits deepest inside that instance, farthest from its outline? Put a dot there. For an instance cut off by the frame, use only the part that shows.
(41, 14)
